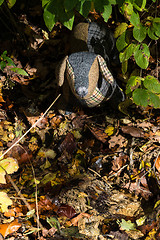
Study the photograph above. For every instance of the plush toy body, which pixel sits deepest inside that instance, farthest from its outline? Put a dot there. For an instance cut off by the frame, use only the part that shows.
(85, 71)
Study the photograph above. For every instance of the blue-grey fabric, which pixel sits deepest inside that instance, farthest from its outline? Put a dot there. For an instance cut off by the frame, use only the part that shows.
(102, 42)
(81, 63)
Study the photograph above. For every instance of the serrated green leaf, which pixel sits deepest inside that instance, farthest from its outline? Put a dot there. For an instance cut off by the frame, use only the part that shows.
(127, 8)
(19, 71)
(151, 33)
(49, 15)
(69, 5)
(154, 100)
(11, 3)
(141, 97)
(135, 19)
(139, 33)
(107, 12)
(152, 84)
(121, 42)
(2, 65)
(1, 1)
(120, 29)
(141, 55)
(156, 26)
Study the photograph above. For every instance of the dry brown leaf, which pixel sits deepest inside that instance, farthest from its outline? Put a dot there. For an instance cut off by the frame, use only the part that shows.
(134, 132)
(99, 133)
(74, 221)
(157, 164)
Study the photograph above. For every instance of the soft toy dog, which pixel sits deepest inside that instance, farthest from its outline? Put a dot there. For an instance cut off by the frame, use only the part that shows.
(84, 74)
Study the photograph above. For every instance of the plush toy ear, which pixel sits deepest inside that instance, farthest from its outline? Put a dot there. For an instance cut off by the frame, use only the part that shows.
(60, 71)
(105, 71)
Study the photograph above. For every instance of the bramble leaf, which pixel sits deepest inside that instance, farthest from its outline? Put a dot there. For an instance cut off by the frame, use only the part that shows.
(139, 33)
(133, 83)
(121, 42)
(152, 84)
(107, 12)
(141, 97)
(141, 55)
(120, 29)
(135, 19)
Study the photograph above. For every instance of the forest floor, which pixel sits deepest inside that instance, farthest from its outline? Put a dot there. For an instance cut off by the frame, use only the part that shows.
(93, 174)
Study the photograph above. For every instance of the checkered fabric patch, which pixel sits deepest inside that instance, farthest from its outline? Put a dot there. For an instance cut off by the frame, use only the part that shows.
(95, 99)
(105, 71)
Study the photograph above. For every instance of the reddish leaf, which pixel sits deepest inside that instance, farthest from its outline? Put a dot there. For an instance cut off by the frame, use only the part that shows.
(134, 132)
(99, 134)
(66, 210)
(68, 144)
(157, 164)
(46, 205)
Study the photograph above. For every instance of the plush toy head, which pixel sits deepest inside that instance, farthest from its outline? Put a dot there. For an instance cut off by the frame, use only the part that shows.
(88, 77)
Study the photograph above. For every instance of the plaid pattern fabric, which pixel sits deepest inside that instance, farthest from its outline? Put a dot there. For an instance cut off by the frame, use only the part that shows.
(105, 71)
(97, 97)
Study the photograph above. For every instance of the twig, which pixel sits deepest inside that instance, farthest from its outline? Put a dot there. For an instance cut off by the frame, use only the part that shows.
(34, 125)
(90, 169)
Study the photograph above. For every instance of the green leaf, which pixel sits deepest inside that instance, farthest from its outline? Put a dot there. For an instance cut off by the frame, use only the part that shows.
(121, 42)
(152, 84)
(124, 66)
(11, 3)
(127, 53)
(69, 23)
(154, 100)
(19, 71)
(107, 12)
(151, 33)
(49, 15)
(135, 19)
(139, 33)
(10, 62)
(133, 83)
(156, 26)
(127, 8)
(2, 65)
(44, 2)
(126, 225)
(141, 55)
(69, 5)
(1, 1)
(120, 29)
(141, 97)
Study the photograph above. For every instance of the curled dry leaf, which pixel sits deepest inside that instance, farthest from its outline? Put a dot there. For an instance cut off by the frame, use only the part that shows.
(157, 164)
(8, 228)
(134, 132)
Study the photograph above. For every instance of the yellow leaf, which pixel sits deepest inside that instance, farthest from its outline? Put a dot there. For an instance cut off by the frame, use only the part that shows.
(5, 201)
(109, 130)
(9, 165)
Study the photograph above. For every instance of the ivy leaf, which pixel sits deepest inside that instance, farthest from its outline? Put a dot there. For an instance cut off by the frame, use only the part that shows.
(141, 97)
(107, 12)
(135, 19)
(139, 33)
(121, 42)
(120, 29)
(152, 84)
(154, 100)
(141, 55)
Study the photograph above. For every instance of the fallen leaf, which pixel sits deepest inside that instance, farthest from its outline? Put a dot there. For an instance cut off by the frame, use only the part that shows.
(157, 164)
(74, 221)
(5, 201)
(9, 165)
(66, 210)
(99, 133)
(134, 132)
(68, 144)
(8, 228)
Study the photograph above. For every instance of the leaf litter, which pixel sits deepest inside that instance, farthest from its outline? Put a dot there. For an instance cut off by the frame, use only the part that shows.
(89, 175)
